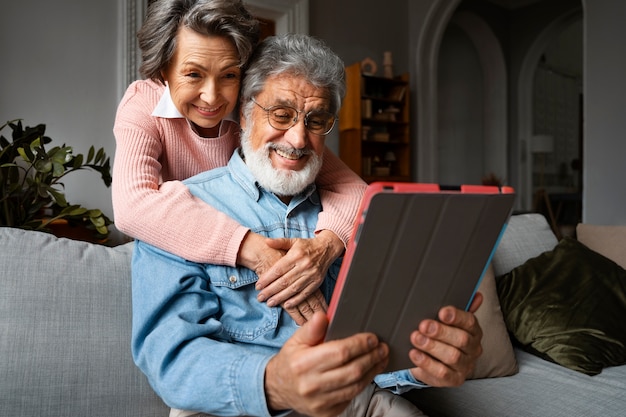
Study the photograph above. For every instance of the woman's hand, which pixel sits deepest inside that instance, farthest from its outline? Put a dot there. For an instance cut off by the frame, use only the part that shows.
(291, 270)
(301, 271)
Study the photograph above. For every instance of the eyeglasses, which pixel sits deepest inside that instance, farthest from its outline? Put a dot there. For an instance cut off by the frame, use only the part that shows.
(285, 117)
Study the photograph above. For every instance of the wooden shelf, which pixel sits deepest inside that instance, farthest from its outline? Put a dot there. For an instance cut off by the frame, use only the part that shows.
(374, 138)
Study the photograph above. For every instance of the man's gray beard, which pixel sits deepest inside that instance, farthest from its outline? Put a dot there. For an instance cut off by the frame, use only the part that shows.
(281, 182)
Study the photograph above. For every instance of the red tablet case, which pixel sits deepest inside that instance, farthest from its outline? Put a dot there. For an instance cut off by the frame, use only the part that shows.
(415, 248)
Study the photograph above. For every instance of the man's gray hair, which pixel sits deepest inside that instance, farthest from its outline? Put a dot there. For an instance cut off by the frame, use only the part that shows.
(296, 54)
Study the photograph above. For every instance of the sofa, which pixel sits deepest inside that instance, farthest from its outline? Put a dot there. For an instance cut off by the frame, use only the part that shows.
(65, 323)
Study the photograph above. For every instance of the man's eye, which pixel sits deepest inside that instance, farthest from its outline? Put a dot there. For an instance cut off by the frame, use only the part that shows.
(316, 122)
(282, 115)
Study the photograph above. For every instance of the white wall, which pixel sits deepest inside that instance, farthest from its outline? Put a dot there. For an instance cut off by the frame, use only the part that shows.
(59, 67)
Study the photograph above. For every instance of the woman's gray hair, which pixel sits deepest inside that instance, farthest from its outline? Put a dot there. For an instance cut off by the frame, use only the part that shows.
(227, 18)
(299, 55)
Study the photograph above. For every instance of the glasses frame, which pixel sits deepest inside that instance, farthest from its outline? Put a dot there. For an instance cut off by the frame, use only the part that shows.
(294, 121)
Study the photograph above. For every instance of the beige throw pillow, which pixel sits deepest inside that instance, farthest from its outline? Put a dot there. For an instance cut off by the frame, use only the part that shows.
(498, 358)
(609, 241)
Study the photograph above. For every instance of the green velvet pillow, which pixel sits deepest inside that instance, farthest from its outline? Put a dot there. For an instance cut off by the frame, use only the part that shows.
(568, 306)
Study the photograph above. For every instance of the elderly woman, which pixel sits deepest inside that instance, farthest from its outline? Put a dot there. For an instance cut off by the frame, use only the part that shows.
(173, 125)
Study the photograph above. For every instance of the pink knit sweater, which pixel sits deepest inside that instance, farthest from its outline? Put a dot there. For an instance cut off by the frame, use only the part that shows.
(154, 154)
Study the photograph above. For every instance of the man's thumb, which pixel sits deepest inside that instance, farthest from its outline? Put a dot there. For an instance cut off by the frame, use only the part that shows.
(313, 331)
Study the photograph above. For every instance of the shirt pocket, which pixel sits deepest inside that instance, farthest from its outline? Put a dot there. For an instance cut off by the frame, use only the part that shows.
(243, 317)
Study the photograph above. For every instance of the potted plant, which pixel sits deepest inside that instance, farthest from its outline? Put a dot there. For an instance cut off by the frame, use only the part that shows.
(31, 188)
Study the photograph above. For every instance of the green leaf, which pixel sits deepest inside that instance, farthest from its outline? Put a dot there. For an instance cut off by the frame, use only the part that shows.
(97, 221)
(91, 153)
(26, 156)
(57, 196)
(43, 166)
(36, 143)
(74, 210)
(61, 155)
(99, 156)
(57, 169)
(78, 161)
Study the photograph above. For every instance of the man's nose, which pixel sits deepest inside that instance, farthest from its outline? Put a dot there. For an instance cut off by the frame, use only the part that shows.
(296, 135)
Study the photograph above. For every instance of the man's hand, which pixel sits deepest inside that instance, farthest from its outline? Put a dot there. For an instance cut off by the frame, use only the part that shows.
(320, 379)
(302, 312)
(446, 351)
(298, 274)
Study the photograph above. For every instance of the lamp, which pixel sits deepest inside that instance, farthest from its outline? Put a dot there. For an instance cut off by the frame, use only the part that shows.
(541, 145)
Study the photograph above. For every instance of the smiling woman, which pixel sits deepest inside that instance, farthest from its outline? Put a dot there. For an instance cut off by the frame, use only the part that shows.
(275, 16)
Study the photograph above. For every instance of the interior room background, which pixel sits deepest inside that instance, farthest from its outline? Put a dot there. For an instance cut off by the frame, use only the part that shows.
(486, 78)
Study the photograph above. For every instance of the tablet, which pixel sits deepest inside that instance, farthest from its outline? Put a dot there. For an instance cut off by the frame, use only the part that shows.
(414, 249)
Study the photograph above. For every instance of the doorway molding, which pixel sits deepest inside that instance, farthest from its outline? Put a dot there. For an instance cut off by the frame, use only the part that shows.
(441, 15)
(525, 121)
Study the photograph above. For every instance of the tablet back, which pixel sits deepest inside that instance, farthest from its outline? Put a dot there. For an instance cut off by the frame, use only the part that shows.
(415, 249)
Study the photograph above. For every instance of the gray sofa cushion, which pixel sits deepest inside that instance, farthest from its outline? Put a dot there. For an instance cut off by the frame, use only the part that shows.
(540, 389)
(526, 236)
(65, 316)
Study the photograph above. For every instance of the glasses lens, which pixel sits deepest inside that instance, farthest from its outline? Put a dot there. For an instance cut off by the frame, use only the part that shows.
(319, 123)
(282, 117)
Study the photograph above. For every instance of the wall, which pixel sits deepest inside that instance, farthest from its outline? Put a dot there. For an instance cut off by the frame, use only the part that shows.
(357, 29)
(604, 149)
(59, 67)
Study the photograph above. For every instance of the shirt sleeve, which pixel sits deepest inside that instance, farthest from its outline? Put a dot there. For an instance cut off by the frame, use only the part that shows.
(180, 345)
(341, 191)
(399, 382)
(165, 215)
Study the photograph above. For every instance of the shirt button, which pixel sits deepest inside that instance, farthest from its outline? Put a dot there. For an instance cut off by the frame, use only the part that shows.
(232, 279)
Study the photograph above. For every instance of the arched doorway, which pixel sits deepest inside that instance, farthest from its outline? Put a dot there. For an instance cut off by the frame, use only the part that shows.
(472, 103)
(489, 132)
(526, 125)
(518, 124)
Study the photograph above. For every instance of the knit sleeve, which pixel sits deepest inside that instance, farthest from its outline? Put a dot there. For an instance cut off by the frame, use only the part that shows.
(165, 215)
(341, 191)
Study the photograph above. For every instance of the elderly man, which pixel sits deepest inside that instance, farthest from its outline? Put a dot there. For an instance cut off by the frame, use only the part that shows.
(199, 333)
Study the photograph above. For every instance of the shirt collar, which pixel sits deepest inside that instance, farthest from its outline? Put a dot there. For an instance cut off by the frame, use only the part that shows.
(165, 108)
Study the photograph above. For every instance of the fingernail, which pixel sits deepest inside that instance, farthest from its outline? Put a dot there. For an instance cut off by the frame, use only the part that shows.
(371, 342)
(420, 340)
(271, 303)
(260, 297)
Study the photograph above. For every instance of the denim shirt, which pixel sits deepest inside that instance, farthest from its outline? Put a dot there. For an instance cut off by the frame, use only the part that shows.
(199, 333)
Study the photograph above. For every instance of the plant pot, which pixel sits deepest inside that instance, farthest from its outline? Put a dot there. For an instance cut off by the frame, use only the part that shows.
(63, 228)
